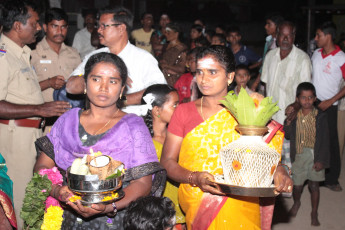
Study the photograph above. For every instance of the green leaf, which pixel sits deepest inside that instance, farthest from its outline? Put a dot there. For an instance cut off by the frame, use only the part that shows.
(242, 107)
(245, 108)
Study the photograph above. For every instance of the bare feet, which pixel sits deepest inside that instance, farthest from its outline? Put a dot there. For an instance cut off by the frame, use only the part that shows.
(295, 207)
(314, 220)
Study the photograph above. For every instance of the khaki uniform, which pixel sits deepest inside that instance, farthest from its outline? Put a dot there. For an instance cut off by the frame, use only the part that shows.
(18, 85)
(48, 63)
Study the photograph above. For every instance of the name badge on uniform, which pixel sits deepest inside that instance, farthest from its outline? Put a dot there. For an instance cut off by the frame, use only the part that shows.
(45, 61)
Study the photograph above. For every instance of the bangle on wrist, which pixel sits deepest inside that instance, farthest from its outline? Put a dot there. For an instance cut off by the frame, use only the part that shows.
(114, 208)
(190, 178)
(287, 168)
(54, 190)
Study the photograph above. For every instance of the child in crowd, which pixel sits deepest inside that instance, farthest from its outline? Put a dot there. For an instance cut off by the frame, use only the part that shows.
(161, 102)
(242, 76)
(150, 213)
(218, 39)
(242, 53)
(184, 84)
(309, 145)
(142, 36)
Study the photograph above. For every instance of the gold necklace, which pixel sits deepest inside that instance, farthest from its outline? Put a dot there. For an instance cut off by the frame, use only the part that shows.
(202, 115)
(106, 123)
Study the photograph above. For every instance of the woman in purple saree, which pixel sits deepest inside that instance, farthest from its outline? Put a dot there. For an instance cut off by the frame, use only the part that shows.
(103, 127)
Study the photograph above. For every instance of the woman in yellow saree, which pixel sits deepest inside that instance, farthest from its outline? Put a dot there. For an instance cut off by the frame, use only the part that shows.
(197, 131)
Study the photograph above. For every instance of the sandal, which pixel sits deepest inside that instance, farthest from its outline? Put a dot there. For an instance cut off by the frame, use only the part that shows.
(335, 187)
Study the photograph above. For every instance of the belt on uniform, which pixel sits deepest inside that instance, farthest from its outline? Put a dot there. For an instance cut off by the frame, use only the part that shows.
(28, 123)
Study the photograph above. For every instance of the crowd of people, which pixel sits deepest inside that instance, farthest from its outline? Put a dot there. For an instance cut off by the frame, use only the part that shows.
(149, 99)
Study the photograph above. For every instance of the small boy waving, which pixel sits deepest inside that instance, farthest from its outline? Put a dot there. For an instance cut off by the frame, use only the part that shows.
(309, 145)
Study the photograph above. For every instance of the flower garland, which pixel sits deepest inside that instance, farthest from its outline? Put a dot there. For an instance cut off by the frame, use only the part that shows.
(41, 211)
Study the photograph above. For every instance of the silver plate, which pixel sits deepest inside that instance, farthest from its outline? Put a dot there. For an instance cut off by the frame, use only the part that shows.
(91, 183)
(243, 191)
(96, 198)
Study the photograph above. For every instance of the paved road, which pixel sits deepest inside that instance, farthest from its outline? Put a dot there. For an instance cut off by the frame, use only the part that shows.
(331, 210)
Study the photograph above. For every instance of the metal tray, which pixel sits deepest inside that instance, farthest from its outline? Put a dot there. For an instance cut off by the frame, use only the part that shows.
(96, 198)
(244, 191)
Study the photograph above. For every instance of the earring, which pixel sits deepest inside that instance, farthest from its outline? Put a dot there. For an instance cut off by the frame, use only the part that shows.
(84, 90)
(158, 116)
(229, 83)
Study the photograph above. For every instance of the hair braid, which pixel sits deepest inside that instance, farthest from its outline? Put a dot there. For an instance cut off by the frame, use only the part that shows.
(149, 122)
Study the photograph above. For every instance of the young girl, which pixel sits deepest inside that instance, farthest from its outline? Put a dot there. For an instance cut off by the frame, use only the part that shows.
(161, 101)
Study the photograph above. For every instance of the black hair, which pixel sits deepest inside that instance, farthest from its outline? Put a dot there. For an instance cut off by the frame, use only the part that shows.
(121, 15)
(174, 26)
(222, 54)
(197, 27)
(160, 92)
(210, 32)
(305, 86)
(194, 51)
(144, 14)
(221, 26)
(149, 213)
(287, 23)
(233, 29)
(276, 18)
(328, 28)
(221, 38)
(202, 41)
(85, 12)
(16, 10)
(199, 19)
(111, 59)
(243, 67)
(55, 14)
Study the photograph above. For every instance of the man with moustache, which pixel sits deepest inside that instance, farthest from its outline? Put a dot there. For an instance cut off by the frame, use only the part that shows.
(21, 102)
(114, 28)
(283, 70)
(52, 60)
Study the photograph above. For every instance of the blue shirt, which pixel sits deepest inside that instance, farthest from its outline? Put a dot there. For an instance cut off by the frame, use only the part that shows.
(246, 56)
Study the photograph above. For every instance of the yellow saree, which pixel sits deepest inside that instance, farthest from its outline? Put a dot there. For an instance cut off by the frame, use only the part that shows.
(200, 152)
(170, 189)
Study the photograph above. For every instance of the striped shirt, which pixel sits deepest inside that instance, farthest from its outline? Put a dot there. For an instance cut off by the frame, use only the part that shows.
(305, 130)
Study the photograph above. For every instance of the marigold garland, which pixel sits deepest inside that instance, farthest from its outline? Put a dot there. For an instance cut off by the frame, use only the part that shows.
(52, 218)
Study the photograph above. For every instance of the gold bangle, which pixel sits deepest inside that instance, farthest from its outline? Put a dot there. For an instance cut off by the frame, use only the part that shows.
(287, 168)
(190, 178)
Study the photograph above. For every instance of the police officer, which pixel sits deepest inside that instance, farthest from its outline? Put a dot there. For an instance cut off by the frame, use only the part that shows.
(21, 102)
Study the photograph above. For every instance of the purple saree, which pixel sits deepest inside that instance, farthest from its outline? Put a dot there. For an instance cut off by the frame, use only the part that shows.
(129, 141)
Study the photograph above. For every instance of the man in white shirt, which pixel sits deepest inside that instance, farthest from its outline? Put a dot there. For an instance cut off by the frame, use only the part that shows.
(283, 70)
(82, 39)
(328, 74)
(114, 27)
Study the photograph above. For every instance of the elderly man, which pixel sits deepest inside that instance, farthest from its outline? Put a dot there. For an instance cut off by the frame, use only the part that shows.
(283, 69)
(114, 27)
(52, 59)
(21, 100)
